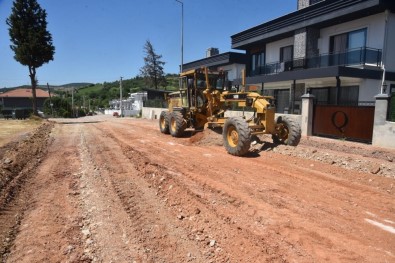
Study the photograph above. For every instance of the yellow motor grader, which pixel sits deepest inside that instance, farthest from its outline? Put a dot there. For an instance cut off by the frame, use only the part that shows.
(202, 100)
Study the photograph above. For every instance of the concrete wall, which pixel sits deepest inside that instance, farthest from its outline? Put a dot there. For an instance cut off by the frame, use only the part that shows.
(273, 49)
(368, 89)
(383, 130)
(126, 113)
(111, 112)
(151, 113)
(384, 135)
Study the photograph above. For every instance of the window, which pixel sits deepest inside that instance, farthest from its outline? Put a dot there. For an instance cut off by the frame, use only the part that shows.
(357, 39)
(286, 53)
(257, 63)
(350, 40)
(348, 96)
(344, 96)
(281, 101)
(286, 56)
(346, 48)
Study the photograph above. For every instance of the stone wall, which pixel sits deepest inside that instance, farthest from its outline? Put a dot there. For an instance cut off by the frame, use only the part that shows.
(300, 43)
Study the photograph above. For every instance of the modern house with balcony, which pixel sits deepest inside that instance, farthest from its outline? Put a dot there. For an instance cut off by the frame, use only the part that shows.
(339, 52)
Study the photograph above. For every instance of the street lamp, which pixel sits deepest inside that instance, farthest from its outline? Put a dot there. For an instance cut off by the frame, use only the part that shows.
(182, 33)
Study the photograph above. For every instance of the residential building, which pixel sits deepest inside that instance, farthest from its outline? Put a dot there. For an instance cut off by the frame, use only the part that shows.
(131, 106)
(20, 101)
(340, 52)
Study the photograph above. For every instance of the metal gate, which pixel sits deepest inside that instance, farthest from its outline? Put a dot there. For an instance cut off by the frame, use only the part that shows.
(346, 122)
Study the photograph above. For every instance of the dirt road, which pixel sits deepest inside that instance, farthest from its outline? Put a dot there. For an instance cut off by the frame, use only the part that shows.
(104, 189)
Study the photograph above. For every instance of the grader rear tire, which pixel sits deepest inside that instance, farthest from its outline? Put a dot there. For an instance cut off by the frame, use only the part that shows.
(288, 132)
(237, 136)
(164, 122)
(177, 124)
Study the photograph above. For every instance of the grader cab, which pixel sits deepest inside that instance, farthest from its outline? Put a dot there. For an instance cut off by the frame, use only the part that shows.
(203, 99)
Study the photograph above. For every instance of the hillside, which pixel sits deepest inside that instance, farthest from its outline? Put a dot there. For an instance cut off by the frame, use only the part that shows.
(52, 87)
(92, 97)
(98, 95)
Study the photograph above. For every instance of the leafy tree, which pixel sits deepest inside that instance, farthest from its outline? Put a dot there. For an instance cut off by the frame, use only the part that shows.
(152, 71)
(31, 42)
(61, 107)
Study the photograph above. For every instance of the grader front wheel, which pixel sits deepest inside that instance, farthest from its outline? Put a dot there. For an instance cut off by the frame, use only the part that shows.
(164, 122)
(287, 132)
(177, 124)
(237, 136)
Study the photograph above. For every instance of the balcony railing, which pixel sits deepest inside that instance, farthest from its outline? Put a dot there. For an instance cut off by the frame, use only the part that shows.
(352, 57)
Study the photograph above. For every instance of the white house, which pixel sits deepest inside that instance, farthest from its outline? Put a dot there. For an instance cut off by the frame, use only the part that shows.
(131, 106)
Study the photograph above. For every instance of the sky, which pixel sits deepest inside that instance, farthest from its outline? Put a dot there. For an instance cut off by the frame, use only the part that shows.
(100, 41)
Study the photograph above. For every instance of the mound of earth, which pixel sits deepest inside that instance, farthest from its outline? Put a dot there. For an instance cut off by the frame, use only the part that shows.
(207, 137)
(21, 155)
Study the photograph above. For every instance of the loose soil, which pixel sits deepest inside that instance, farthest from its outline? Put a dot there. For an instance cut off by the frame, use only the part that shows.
(104, 189)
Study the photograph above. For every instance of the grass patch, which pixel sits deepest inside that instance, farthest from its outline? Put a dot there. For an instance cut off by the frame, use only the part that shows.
(11, 130)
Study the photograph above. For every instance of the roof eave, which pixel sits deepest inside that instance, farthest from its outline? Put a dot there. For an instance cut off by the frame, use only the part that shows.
(335, 16)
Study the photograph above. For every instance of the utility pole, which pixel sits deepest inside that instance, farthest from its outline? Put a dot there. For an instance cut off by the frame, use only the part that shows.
(50, 100)
(72, 102)
(120, 96)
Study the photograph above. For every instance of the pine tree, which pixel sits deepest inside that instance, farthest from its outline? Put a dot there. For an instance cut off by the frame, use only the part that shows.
(31, 42)
(152, 71)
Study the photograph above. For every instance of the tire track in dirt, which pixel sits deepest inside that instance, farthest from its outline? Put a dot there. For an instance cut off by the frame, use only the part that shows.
(314, 205)
(49, 230)
(234, 241)
(119, 191)
(149, 232)
(106, 227)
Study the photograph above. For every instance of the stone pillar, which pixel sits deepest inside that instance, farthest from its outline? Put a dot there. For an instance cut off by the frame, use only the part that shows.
(307, 114)
(383, 131)
(300, 43)
(305, 45)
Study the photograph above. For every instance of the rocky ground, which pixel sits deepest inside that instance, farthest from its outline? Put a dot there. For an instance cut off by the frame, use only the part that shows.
(103, 189)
